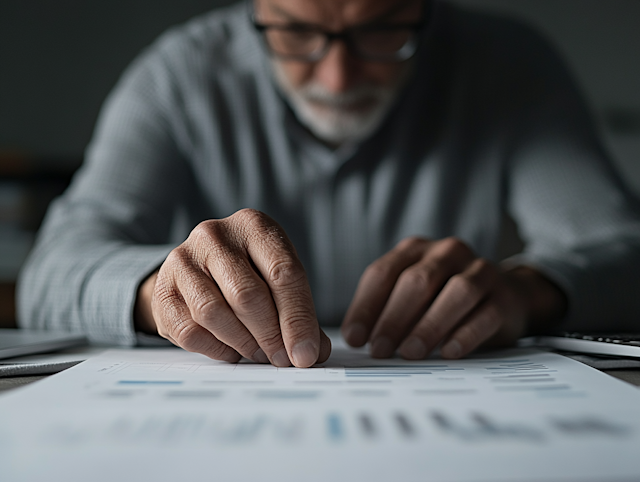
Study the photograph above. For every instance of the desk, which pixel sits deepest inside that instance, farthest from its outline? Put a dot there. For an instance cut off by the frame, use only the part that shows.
(10, 383)
(630, 375)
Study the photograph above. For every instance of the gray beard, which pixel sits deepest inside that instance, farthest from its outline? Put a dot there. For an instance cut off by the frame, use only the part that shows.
(339, 118)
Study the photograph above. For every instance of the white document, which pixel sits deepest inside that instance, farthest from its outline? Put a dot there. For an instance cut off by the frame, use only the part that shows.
(168, 415)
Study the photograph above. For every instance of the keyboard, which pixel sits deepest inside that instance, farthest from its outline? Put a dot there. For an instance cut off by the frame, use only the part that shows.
(614, 344)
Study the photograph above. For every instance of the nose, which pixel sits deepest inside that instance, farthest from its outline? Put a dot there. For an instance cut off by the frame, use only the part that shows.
(337, 71)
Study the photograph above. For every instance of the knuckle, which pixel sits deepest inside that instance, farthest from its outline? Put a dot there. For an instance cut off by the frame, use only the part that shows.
(185, 334)
(162, 331)
(417, 278)
(244, 294)
(430, 329)
(471, 334)
(466, 287)
(285, 272)
(210, 239)
(186, 257)
(412, 242)
(205, 308)
(487, 271)
(379, 271)
(298, 323)
(177, 258)
(205, 231)
(258, 227)
(163, 284)
(456, 247)
(217, 351)
(492, 316)
(482, 265)
(244, 345)
(483, 274)
(165, 294)
(251, 217)
(248, 213)
(271, 340)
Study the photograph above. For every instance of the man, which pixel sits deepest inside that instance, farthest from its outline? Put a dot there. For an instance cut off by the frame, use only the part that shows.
(312, 149)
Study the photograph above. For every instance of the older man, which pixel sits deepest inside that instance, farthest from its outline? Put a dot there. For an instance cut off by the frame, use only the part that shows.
(377, 144)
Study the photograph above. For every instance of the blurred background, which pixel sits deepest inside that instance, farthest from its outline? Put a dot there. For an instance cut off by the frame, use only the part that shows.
(59, 60)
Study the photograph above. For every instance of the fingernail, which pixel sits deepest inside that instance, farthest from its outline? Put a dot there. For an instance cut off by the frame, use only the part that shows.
(281, 359)
(304, 354)
(259, 356)
(356, 335)
(413, 349)
(381, 347)
(451, 350)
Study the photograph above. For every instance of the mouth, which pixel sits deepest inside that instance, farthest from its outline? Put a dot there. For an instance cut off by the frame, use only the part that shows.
(358, 106)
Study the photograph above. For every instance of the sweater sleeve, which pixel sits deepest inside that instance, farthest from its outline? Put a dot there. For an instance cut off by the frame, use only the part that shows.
(112, 227)
(580, 224)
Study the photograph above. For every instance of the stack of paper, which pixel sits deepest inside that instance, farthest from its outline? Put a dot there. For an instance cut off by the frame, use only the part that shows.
(167, 415)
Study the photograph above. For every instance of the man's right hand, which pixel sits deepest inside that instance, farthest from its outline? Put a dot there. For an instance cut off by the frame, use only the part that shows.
(235, 288)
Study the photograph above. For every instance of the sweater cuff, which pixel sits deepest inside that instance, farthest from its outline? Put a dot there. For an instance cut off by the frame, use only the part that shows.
(110, 293)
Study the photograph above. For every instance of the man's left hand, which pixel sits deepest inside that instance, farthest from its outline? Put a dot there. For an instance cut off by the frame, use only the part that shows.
(426, 293)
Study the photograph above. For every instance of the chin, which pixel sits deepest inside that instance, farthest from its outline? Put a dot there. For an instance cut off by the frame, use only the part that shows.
(348, 116)
(339, 125)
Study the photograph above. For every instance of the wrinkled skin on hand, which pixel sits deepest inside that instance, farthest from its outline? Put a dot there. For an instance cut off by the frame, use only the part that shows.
(426, 293)
(236, 288)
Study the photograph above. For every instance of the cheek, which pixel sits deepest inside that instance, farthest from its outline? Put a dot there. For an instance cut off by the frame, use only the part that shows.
(297, 73)
(383, 74)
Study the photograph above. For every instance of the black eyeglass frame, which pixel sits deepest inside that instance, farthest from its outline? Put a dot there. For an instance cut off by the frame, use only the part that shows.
(407, 51)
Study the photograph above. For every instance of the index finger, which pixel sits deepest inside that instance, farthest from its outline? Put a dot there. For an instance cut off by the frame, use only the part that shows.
(375, 287)
(277, 261)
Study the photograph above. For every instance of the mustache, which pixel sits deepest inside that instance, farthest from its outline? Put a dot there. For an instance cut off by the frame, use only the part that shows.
(363, 94)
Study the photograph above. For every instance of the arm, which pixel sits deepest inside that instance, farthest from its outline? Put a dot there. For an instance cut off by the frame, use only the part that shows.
(112, 226)
(234, 287)
(581, 228)
(580, 224)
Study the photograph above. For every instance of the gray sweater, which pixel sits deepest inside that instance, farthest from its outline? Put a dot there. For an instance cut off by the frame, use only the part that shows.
(196, 129)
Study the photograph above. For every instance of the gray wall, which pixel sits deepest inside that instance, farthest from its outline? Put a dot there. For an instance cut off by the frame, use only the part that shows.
(601, 41)
(58, 61)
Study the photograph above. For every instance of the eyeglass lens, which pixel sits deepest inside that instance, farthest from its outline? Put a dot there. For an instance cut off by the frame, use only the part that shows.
(371, 43)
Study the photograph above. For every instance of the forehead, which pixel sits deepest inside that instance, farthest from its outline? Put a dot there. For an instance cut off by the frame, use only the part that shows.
(337, 13)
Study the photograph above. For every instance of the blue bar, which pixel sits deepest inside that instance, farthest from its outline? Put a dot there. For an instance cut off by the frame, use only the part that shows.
(334, 424)
(148, 382)
(390, 372)
(373, 375)
(400, 367)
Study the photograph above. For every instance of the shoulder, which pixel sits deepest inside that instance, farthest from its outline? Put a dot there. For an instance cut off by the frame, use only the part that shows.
(220, 41)
(493, 41)
(488, 30)
(497, 60)
(196, 65)
(223, 35)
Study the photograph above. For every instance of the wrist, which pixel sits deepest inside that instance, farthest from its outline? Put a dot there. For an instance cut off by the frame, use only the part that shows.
(545, 302)
(143, 320)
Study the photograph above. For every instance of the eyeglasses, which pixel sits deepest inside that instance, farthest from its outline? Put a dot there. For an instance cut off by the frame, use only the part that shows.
(309, 43)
